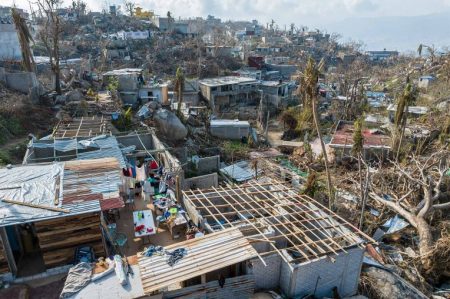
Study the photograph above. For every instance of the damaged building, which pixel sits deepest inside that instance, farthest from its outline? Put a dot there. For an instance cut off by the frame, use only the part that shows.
(222, 93)
(260, 236)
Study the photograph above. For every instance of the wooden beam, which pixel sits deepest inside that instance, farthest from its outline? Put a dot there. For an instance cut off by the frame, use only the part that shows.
(54, 209)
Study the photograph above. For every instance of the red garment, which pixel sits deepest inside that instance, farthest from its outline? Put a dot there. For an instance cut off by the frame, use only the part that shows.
(153, 165)
(139, 228)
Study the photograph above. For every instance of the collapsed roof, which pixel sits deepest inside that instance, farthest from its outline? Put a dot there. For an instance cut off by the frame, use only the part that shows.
(276, 215)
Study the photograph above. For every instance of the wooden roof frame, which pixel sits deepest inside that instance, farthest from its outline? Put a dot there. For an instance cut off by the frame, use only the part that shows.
(308, 228)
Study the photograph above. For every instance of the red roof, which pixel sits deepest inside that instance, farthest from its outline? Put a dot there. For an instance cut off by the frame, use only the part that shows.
(343, 137)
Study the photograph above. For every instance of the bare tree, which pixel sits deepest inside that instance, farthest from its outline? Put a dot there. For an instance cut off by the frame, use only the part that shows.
(50, 35)
(417, 190)
(129, 7)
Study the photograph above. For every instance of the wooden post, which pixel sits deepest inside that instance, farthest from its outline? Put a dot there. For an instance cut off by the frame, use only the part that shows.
(178, 190)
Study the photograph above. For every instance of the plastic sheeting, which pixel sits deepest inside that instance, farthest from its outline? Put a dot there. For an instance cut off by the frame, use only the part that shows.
(79, 276)
(31, 184)
(395, 224)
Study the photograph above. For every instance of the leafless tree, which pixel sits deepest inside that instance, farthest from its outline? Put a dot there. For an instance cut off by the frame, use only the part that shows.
(50, 35)
(418, 190)
(129, 7)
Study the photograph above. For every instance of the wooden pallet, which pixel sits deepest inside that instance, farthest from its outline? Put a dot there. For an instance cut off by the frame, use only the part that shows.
(59, 238)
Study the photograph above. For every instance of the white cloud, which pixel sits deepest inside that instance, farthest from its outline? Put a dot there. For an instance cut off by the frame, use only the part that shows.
(306, 12)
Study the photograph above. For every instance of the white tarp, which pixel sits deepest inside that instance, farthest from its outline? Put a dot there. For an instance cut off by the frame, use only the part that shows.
(30, 184)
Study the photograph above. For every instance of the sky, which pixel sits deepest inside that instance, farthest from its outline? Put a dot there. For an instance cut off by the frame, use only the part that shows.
(284, 12)
(321, 14)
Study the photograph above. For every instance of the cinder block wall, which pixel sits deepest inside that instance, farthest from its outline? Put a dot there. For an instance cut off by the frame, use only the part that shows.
(201, 182)
(343, 273)
(208, 164)
(266, 277)
(21, 81)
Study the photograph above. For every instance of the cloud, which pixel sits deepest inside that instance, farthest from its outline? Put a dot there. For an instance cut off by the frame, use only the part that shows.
(362, 6)
(300, 12)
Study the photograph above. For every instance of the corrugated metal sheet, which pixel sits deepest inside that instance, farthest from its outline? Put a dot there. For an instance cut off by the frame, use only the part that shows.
(343, 137)
(240, 171)
(86, 186)
(205, 254)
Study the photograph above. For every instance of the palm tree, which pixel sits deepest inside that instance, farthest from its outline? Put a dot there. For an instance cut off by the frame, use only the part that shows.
(407, 98)
(24, 38)
(310, 79)
(179, 87)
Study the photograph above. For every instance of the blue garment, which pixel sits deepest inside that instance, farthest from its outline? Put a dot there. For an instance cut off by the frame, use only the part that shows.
(115, 115)
(133, 168)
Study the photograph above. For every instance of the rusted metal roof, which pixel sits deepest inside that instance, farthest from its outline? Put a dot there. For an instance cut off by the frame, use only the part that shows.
(77, 186)
(204, 254)
(373, 138)
(98, 179)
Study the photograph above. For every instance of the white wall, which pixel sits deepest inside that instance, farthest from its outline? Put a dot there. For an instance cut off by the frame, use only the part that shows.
(9, 45)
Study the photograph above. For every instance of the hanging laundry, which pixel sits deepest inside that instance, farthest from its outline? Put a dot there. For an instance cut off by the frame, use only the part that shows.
(153, 165)
(160, 170)
(140, 173)
(162, 187)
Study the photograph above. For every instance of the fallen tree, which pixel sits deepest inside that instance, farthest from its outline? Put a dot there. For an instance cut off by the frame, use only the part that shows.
(417, 191)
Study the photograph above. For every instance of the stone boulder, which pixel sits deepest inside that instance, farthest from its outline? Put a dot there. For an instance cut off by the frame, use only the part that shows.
(74, 95)
(170, 125)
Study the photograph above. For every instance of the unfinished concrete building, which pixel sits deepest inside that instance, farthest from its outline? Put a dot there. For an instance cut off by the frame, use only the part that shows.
(229, 91)
(224, 93)
(262, 236)
(133, 88)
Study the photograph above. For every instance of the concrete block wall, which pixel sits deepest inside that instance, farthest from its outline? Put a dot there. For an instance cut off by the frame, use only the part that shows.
(129, 140)
(201, 182)
(341, 272)
(285, 274)
(208, 164)
(21, 81)
(266, 277)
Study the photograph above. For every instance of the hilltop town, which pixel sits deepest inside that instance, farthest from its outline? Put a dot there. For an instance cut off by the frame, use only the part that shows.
(144, 155)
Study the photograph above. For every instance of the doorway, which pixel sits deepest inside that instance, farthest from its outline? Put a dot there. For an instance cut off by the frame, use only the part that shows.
(25, 249)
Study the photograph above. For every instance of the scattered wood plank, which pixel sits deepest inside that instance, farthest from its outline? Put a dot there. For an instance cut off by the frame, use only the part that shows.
(54, 209)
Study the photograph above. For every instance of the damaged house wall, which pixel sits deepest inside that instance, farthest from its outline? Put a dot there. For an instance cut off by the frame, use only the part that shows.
(341, 271)
(201, 182)
(20, 81)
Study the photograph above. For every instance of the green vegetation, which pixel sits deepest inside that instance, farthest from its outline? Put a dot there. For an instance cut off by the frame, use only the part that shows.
(358, 139)
(235, 148)
(113, 85)
(10, 126)
(125, 120)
